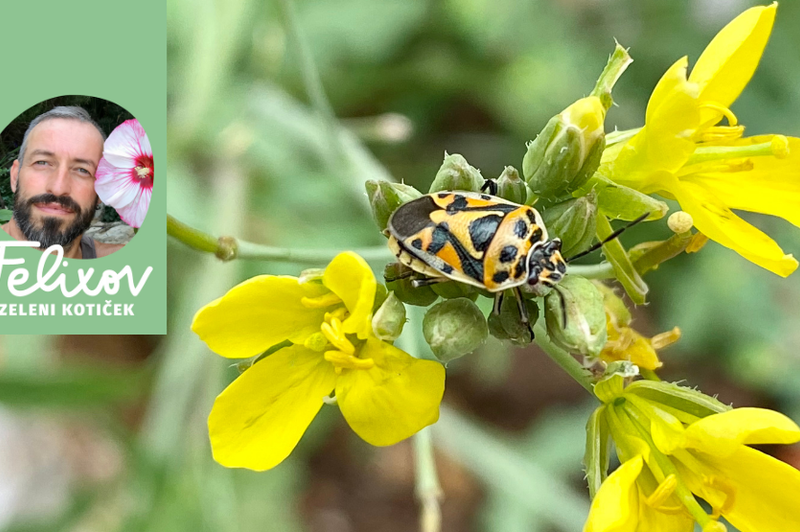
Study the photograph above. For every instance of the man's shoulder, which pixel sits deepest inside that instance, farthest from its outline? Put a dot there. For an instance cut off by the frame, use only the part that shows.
(104, 249)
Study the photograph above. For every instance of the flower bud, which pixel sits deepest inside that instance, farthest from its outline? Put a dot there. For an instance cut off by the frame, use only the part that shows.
(388, 321)
(507, 325)
(385, 198)
(574, 221)
(398, 281)
(567, 151)
(457, 174)
(581, 303)
(454, 328)
(680, 222)
(511, 187)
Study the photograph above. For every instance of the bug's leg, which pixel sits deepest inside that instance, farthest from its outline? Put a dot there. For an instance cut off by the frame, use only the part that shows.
(490, 186)
(416, 283)
(498, 302)
(523, 311)
(404, 275)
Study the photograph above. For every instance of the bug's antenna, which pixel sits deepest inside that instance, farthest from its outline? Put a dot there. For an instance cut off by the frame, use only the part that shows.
(610, 237)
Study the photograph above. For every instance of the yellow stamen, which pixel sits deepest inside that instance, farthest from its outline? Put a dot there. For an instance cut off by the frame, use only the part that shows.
(726, 487)
(727, 113)
(142, 171)
(719, 134)
(339, 314)
(660, 341)
(323, 301)
(698, 241)
(704, 154)
(335, 335)
(780, 146)
(342, 361)
(663, 492)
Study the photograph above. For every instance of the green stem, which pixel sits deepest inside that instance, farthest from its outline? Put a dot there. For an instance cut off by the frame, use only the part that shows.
(563, 358)
(312, 80)
(427, 488)
(228, 248)
(604, 270)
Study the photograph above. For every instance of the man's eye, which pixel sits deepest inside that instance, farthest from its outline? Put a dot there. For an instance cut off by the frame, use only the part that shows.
(42, 163)
(84, 171)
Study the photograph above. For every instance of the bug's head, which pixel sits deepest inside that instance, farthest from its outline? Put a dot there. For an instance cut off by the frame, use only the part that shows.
(546, 266)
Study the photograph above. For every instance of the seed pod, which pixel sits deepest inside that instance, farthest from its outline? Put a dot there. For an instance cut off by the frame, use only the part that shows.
(574, 221)
(388, 321)
(511, 187)
(398, 281)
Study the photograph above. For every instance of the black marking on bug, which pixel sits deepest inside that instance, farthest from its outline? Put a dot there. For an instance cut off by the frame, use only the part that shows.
(500, 277)
(519, 271)
(531, 216)
(440, 236)
(443, 195)
(482, 230)
(521, 229)
(458, 204)
(412, 217)
(550, 266)
(447, 268)
(471, 266)
(508, 254)
(485, 197)
(536, 236)
(417, 243)
(562, 267)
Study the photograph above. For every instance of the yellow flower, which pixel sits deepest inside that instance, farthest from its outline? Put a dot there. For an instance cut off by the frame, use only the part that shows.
(670, 456)
(384, 394)
(685, 154)
(625, 343)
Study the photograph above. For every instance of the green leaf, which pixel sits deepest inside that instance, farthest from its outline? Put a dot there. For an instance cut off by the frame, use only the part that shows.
(6, 215)
(624, 271)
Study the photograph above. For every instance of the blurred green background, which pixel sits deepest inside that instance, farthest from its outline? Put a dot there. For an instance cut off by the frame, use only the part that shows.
(108, 433)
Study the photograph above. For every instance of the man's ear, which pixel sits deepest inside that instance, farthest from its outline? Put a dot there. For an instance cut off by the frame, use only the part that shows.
(14, 175)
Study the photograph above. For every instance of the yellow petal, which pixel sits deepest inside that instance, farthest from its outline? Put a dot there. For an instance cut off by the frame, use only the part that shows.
(350, 277)
(258, 314)
(665, 143)
(715, 220)
(731, 58)
(766, 491)
(395, 399)
(772, 186)
(615, 508)
(721, 434)
(257, 420)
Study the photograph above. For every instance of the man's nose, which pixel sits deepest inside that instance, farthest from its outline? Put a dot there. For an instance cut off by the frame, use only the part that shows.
(60, 182)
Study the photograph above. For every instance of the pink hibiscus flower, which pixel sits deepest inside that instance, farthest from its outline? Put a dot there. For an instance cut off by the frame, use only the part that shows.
(124, 176)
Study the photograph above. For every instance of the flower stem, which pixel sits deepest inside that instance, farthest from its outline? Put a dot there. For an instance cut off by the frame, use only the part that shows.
(428, 491)
(228, 248)
(563, 358)
(604, 270)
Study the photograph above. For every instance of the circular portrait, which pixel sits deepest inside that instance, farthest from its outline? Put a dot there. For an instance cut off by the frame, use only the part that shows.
(76, 172)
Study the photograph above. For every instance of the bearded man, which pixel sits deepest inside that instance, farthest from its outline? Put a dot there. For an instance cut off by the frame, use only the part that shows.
(53, 183)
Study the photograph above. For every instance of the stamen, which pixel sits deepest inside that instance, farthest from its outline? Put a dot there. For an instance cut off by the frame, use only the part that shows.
(323, 301)
(316, 342)
(342, 361)
(698, 241)
(660, 341)
(335, 335)
(778, 146)
(663, 492)
(719, 134)
(727, 113)
(339, 314)
(726, 487)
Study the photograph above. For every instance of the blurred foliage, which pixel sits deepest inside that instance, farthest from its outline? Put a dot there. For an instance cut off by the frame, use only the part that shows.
(253, 156)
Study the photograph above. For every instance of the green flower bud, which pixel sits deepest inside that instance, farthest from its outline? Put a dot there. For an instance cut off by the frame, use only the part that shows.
(574, 221)
(567, 151)
(511, 187)
(385, 198)
(623, 203)
(454, 328)
(388, 321)
(457, 174)
(585, 329)
(452, 290)
(398, 282)
(507, 325)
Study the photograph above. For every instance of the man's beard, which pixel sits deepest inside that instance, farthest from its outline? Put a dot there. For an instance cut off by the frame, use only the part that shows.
(49, 231)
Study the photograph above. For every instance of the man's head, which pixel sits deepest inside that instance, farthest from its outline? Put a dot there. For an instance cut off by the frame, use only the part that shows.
(53, 178)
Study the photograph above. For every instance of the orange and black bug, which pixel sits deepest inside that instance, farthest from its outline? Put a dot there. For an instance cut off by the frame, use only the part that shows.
(478, 239)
